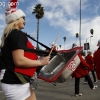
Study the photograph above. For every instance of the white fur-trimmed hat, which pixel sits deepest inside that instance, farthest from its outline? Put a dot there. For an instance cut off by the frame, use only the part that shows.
(98, 43)
(12, 13)
(90, 51)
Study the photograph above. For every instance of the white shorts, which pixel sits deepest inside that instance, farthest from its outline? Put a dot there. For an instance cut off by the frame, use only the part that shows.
(16, 91)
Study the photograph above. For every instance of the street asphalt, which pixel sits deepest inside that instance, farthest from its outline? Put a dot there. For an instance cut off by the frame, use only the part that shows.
(63, 91)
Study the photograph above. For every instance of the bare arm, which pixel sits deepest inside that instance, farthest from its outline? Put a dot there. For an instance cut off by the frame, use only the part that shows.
(20, 60)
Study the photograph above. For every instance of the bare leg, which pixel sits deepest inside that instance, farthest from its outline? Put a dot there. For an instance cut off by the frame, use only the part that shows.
(32, 96)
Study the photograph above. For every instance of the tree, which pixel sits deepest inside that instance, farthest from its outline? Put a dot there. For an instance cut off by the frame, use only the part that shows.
(83, 53)
(91, 31)
(77, 37)
(39, 13)
(60, 46)
(64, 41)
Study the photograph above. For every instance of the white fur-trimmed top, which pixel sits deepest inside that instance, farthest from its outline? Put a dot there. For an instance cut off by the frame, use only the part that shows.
(14, 16)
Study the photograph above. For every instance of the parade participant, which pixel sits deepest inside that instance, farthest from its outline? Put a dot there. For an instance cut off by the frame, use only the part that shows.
(90, 61)
(97, 60)
(18, 60)
(81, 71)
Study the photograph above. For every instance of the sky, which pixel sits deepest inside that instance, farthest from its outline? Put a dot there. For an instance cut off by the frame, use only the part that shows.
(61, 17)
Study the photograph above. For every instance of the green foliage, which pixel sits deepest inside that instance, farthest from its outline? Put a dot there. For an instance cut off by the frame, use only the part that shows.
(77, 35)
(64, 39)
(38, 11)
(82, 53)
(91, 31)
(60, 46)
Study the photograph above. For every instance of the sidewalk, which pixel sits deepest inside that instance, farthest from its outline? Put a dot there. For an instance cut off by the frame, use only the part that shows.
(63, 91)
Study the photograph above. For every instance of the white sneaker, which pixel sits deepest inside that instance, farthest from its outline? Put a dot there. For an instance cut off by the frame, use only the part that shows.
(95, 81)
(80, 94)
(85, 82)
(95, 86)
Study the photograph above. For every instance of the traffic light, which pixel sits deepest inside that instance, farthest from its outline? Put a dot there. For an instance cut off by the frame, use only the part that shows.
(86, 46)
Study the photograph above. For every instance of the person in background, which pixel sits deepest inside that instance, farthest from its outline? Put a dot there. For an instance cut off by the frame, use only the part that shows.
(97, 60)
(82, 71)
(20, 63)
(90, 61)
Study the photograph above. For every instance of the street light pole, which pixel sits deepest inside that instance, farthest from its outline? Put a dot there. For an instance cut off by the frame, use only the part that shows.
(86, 42)
(90, 41)
(80, 25)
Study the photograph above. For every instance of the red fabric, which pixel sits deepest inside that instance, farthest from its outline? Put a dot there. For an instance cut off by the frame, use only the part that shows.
(13, 3)
(82, 69)
(90, 61)
(55, 49)
(28, 71)
(97, 63)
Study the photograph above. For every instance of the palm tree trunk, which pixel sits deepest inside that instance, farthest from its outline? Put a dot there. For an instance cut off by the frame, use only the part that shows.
(37, 33)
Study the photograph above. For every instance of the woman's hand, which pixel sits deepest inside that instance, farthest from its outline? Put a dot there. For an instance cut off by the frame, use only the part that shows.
(45, 60)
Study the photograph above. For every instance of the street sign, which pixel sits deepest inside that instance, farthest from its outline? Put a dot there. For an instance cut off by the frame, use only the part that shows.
(86, 46)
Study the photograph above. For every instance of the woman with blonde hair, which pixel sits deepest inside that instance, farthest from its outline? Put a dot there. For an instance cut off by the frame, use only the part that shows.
(20, 64)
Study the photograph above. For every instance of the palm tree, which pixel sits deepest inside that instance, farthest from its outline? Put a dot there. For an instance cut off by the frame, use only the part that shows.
(64, 41)
(60, 46)
(77, 37)
(91, 31)
(39, 13)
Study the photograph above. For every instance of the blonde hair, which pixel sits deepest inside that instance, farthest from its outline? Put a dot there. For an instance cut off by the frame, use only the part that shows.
(7, 31)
